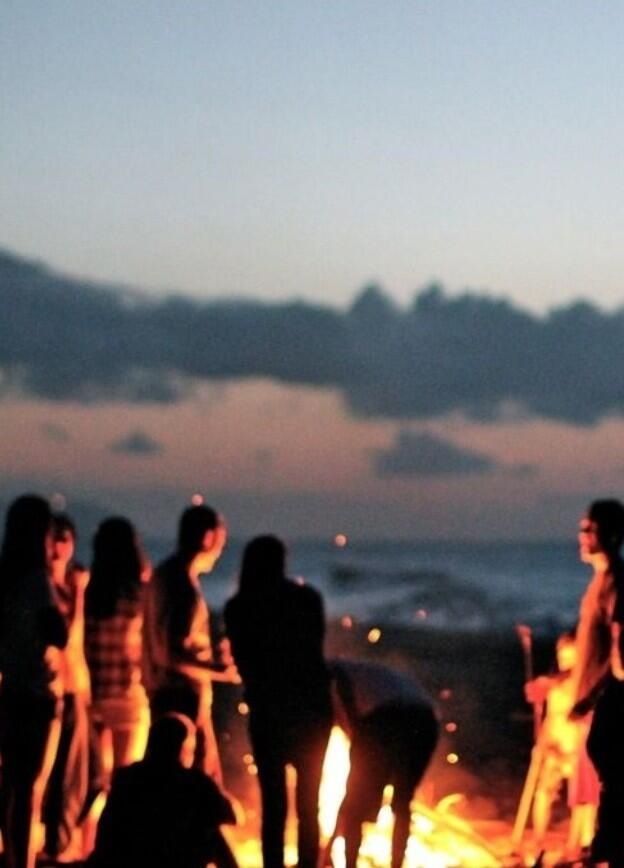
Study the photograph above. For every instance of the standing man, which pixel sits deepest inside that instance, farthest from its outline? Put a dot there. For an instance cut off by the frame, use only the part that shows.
(598, 678)
(179, 666)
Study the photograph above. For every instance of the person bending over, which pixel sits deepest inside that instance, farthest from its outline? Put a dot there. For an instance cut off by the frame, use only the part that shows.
(394, 731)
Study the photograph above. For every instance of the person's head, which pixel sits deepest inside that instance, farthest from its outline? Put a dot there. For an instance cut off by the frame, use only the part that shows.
(263, 564)
(566, 651)
(601, 530)
(63, 540)
(117, 567)
(201, 536)
(171, 740)
(27, 542)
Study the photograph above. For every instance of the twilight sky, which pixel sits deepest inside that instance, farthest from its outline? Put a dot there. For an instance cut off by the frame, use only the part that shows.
(265, 162)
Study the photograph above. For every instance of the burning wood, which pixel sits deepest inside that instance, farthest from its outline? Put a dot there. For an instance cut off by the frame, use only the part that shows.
(438, 838)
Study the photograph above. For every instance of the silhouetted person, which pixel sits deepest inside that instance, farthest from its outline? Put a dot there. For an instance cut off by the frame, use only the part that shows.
(276, 627)
(394, 731)
(161, 813)
(32, 630)
(67, 788)
(114, 642)
(179, 665)
(601, 680)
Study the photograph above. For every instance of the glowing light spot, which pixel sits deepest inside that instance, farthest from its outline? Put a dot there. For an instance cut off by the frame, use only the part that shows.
(374, 635)
(252, 769)
(445, 693)
(243, 708)
(421, 614)
(451, 726)
(58, 501)
(197, 499)
(340, 540)
(347, 622)
(248, 759)
(452, 759)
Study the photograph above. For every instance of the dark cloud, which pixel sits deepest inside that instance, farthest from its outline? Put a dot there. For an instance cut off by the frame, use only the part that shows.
(422, 454)
(63, 339)
(136, 443)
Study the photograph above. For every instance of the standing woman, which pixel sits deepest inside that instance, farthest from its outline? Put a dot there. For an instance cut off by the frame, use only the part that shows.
(113, 643)
(276, 627)
(32, 630)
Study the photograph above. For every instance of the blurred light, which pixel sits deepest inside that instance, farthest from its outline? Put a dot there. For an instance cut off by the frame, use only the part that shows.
(347, 622)
(197, 499)
(374, 635)
(445, 693)
(243, 708)
(421, 613)
(341, 540)
(58, 501)
(248, 759)
(252, 769)
(452, 758)
(451, 726)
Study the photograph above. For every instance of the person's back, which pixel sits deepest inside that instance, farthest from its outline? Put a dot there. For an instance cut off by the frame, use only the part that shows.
(162, 814)
(277, 642)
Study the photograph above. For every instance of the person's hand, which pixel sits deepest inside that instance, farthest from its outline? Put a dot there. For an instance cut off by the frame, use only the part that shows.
(537, 690)
(81, 578)
(231, 674)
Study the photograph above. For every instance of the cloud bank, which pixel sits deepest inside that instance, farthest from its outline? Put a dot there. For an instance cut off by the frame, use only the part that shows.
(64, 339)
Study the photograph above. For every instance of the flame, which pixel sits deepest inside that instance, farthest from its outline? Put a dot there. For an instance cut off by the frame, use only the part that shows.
(438, 838)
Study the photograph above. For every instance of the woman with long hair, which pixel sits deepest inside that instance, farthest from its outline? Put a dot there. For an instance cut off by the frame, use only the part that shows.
(113, 643)
(32, 631)
(276, 627)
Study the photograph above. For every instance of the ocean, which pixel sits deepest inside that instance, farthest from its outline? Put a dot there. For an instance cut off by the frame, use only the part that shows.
(459, 586)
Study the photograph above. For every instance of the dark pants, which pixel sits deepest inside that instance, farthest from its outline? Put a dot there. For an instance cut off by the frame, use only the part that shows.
(277, 743)
(605, 745)
(67, 788)
(392, 745)
(29, 737)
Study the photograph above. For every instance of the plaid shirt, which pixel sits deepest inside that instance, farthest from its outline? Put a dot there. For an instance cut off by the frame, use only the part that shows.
(113, 648)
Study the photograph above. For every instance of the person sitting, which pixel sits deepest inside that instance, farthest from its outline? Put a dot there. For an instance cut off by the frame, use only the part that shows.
(161, 812)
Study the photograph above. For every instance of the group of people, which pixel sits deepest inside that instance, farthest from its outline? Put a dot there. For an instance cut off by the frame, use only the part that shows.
(581, 735)
(106, 696)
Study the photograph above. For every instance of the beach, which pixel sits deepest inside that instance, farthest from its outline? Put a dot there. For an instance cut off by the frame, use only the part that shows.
(476, 680)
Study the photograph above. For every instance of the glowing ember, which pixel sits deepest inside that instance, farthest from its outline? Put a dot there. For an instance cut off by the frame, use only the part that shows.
(243, 708)
(347, 622)
(374, 635)
(421, 614)
(197, 499)
(451, 726)
(340, 540)
(452, 758)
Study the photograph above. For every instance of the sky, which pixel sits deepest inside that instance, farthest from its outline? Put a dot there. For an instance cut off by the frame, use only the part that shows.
(392, 237)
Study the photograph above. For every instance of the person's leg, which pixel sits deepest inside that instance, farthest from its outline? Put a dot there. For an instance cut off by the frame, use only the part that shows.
(271, 763)
(401, 831)
(207, 749)
(29, 747)
(308, 759)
